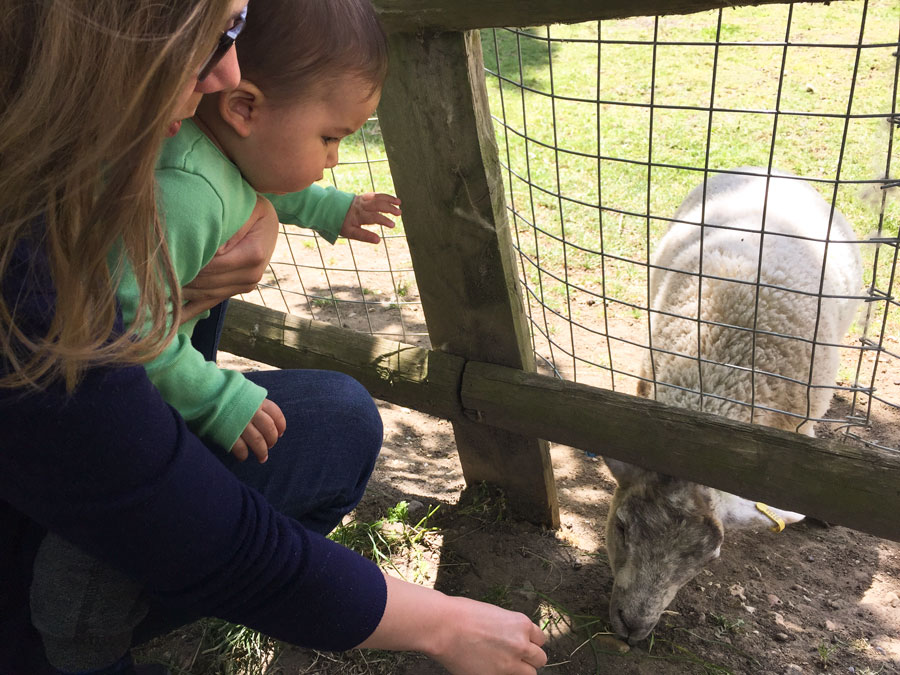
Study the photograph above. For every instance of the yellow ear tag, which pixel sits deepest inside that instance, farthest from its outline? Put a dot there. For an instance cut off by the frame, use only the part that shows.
(770, 514)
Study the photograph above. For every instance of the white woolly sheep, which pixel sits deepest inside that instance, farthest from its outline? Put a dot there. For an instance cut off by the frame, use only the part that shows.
(748, 358)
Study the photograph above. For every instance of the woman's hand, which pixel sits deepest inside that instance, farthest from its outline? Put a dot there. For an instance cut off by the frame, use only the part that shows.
(238, 264)
(482, 639)
(466, 636)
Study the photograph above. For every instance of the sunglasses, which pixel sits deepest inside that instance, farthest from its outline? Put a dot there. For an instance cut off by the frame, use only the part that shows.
(226, 40)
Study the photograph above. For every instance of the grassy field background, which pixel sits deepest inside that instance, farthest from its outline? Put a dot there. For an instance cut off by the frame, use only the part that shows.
(606, 128)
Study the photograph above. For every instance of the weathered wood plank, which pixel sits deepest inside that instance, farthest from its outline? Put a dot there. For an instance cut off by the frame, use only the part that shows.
(842, 484)
(416, 378)
(443, 155)
(444, 161)
(458, 15)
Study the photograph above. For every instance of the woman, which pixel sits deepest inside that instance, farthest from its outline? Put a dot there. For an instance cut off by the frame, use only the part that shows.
(89, 453)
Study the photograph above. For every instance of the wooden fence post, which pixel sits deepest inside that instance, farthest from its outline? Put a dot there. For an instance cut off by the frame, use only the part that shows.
(444, 161)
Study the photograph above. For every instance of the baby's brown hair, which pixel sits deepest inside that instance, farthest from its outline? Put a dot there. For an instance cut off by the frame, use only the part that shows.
(293, 48)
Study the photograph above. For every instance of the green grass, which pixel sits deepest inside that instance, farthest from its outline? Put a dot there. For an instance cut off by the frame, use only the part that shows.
(747, 78)
(384, 539)
(214, 647)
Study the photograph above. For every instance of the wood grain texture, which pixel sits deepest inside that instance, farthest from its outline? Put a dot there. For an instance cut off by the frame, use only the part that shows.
(839, 483)
(444, 161)
(439, 137)
(842, 484)
(399, 373)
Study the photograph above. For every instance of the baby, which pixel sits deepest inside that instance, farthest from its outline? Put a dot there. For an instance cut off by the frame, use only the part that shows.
(312, 74)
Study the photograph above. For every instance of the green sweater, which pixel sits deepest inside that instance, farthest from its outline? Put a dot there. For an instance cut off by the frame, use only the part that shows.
(204, 201)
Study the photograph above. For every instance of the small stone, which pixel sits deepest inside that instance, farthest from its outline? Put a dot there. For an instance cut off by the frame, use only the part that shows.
(831, 626)
(784, 637)
(832, 604)
(892, 599)
(612, 644)
(749, 609)
(793, 669)
(527, 591)
(779, 620)
(810, 89)
(415, 507)
(773, 599)
(737, 591)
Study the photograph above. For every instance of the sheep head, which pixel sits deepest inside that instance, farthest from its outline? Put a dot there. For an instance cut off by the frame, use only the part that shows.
(660, 533)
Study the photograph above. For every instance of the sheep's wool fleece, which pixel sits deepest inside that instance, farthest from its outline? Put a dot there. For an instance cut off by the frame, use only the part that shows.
(747, 275)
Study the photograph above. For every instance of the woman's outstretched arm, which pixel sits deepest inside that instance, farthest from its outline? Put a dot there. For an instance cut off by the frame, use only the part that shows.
(466, 636)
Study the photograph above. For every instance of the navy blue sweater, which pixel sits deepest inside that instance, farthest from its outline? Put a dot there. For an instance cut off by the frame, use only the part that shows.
(114, 469)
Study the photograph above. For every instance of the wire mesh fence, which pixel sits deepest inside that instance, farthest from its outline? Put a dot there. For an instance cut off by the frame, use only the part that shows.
(603, 129)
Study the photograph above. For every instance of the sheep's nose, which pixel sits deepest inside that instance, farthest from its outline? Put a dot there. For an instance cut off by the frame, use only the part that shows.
(624, 621)
(634, 631)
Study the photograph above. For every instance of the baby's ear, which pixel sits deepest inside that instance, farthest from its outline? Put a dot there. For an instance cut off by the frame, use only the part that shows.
(240, 107)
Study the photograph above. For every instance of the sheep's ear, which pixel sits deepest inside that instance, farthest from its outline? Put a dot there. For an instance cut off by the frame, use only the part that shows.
(740, 513)
(625, 474)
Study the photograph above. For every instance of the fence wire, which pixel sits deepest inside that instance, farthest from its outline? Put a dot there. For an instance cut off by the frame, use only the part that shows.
(603, 128)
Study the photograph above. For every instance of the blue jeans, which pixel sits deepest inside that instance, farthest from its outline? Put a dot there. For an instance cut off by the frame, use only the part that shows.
(316, 473)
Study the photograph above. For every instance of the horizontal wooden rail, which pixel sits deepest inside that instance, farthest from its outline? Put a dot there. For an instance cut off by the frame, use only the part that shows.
(842, 484)
(457, 15)
(399, 373)
(853, 486)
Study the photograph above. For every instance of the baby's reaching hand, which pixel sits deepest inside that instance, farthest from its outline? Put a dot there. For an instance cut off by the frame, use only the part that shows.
(366, 209)
(261, 433)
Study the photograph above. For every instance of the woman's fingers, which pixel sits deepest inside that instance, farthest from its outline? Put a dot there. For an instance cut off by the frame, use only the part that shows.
(537, 636)
(536, 657)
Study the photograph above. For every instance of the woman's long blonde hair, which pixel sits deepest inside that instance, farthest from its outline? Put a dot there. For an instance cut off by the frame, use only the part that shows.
(88, 89)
